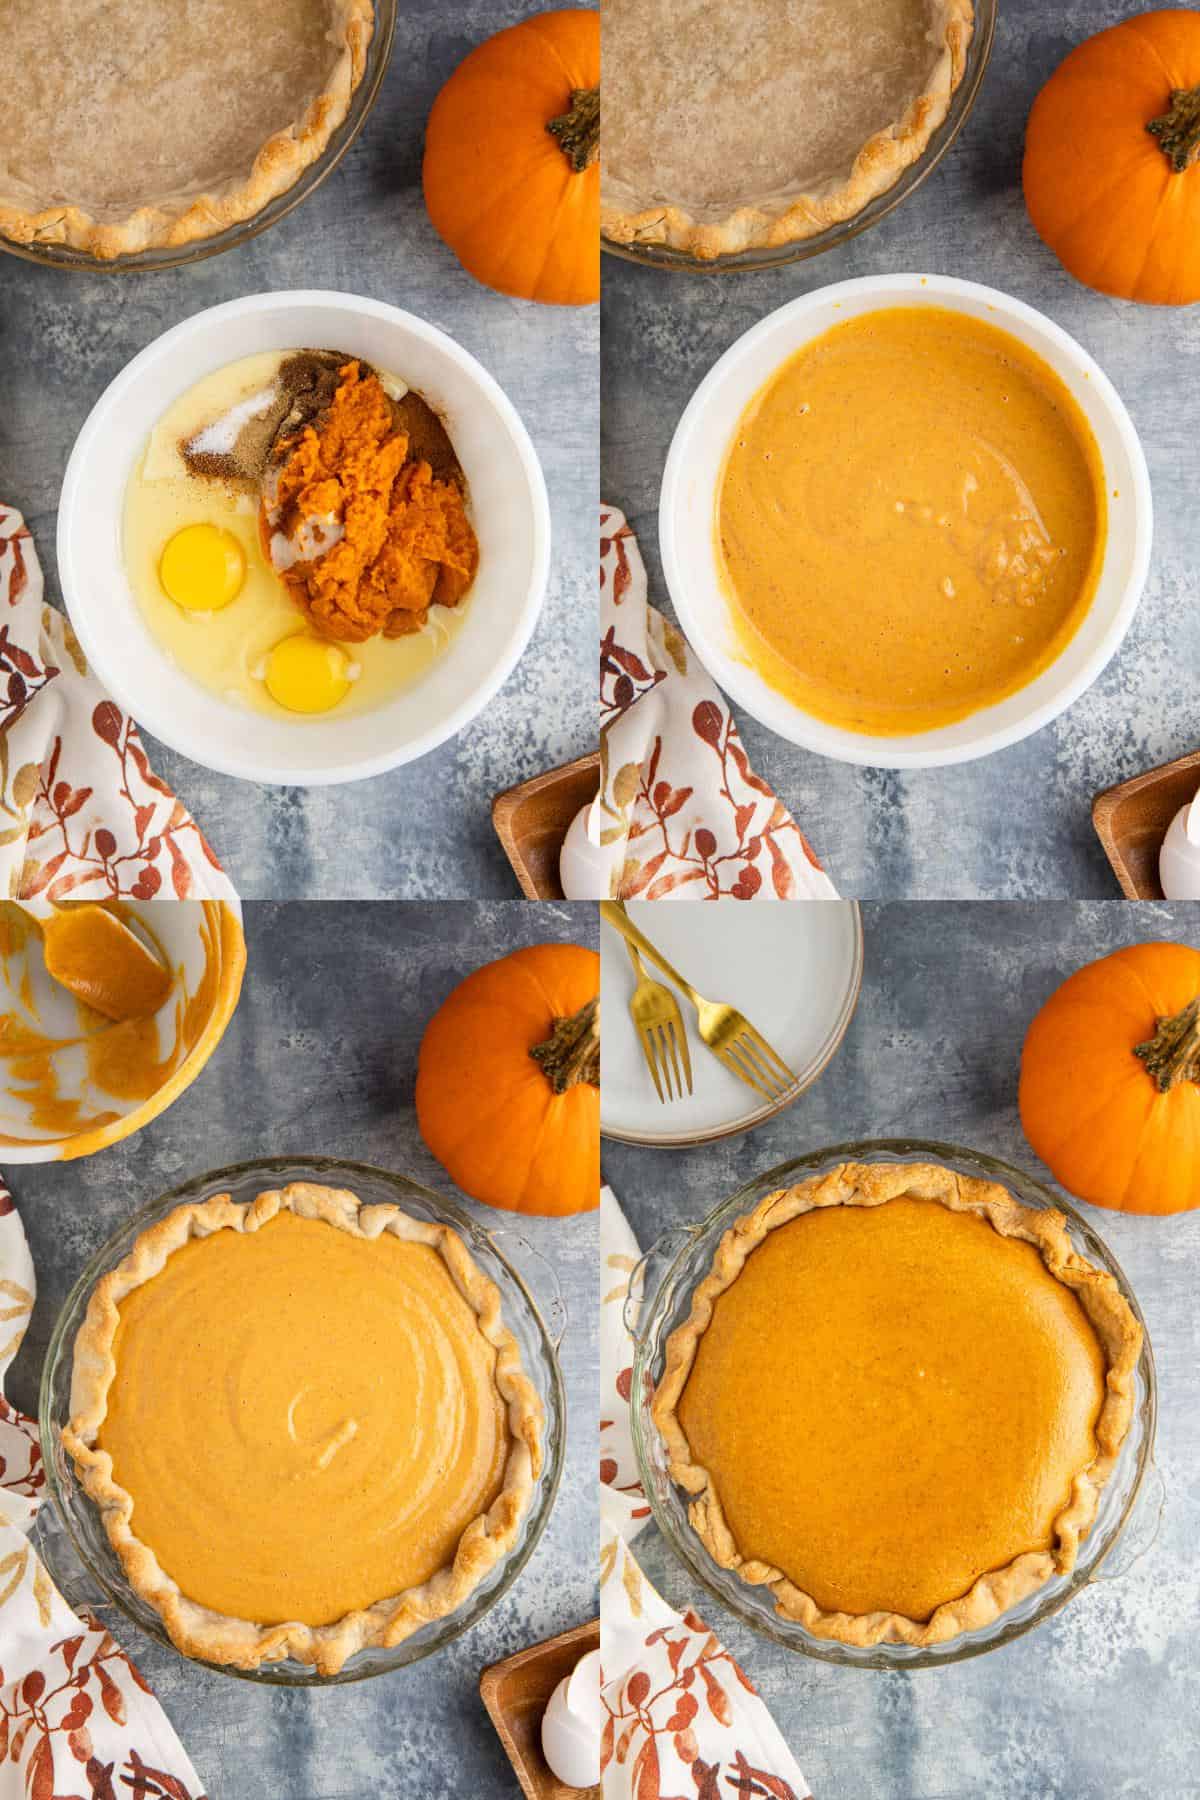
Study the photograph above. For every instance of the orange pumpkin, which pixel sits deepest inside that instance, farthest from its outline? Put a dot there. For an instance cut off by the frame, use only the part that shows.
(1111, 174)
(512, 160)
(1110, 1080)
(508, 1081)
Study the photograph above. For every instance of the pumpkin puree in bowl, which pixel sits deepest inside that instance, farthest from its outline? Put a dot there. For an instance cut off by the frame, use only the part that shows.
(911, 521)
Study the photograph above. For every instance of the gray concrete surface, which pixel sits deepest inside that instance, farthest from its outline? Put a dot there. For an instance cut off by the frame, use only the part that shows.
(1098, 1703)
(321, 1058)
(1017, 824)
(424, 830)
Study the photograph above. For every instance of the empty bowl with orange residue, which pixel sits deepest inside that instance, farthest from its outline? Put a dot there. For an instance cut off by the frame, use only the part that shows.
(74, 1079)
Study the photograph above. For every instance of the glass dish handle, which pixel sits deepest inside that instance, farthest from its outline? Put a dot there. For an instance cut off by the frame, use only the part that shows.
(1141, 1533)
(650, 1270)
(77, 1587)
(539, 1274)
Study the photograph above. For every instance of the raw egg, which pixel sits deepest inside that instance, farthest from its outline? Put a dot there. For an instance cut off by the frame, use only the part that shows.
(308, 675)
(202, 568)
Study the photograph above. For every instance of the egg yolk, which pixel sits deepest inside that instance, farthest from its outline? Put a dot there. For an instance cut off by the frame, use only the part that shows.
(202, 568)
(306, 674)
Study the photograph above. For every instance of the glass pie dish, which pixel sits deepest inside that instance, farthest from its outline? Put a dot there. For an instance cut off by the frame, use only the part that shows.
(538, 1325)
(62, 256)
(661, 1291)
(662, 256)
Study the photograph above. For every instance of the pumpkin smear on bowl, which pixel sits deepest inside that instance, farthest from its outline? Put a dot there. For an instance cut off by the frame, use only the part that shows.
(364, 537)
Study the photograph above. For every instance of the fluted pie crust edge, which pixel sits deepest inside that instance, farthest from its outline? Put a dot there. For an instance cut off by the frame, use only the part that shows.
(873, 1184)
(877, 167)
(218, 1637)
(173, 219)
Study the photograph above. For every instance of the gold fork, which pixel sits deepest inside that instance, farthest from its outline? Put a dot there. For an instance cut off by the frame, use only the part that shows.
(730, 1036)
(659, 1024)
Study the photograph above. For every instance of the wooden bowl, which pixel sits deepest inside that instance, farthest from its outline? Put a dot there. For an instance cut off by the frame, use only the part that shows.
(516, 1693)
(531, 822)
(1131, 821)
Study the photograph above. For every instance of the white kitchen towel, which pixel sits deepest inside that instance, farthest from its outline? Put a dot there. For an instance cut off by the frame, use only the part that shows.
(680, 814)
(77, 1720)
(82, 814)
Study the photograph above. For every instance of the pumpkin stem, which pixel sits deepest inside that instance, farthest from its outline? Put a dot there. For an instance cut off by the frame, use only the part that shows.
(1173, 1053)
(571, 1053)
(577, 132)
(1178, 129)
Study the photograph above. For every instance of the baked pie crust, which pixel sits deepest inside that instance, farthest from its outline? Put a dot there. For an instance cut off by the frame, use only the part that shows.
(732, 129)
(134, 127)
(200, 1631)
(998, 1588)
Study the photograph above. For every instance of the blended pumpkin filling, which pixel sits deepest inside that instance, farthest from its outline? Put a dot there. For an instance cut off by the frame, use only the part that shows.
(307, 1421)
(891, 1401)
(911, 521)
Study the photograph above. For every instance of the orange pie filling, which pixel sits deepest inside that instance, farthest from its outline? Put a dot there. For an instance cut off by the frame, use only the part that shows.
(304, 1436)
(306, 1421)
(890, 1404)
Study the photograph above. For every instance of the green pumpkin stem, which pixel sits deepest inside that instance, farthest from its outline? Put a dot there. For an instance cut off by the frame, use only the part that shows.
(1173, 1053)
(577, 132)
(571, 1053)
(1177, 131)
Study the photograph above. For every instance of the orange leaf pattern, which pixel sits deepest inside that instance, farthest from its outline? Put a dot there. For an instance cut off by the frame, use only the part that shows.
(77, 1720)
(680, 814)
(82, 814)
(683, 1721)
(623, 1499)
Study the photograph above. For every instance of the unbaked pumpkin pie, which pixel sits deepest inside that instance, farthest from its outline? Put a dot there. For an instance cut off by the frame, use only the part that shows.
(753, 126)
(130, 127)
(305, 1423)
(896, 1401)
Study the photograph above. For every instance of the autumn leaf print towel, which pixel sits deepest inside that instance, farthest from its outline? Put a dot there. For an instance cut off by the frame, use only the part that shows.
(82, 814)
(76, 1717)
(680, 815)
(682, 1716)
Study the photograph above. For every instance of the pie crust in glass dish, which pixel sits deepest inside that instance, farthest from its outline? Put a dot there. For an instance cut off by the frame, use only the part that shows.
(133, 126)
(305, 1424)
(749, 127)
(896, 1400)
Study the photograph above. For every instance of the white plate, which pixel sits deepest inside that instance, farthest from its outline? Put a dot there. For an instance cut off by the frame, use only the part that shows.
(509, 511)
(794, 968)
(691, 479)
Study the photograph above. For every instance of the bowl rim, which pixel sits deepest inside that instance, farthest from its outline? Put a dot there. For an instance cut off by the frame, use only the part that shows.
(744, 262)
(147, 262)
(220, 755)
(692, 1556)
(743, 684)
(287, 1167)
(233, 971)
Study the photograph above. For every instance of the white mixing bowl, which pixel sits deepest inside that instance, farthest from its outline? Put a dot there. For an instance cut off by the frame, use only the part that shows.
(509, 510)
(688, 505)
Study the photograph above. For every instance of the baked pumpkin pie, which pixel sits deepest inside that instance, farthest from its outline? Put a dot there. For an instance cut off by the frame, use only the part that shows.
(749, 127)
(896, 1401)
(133, 127)
(305, 1423)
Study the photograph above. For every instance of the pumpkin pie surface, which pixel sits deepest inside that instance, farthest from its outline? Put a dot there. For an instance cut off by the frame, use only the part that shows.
(896, 1400)
(135, 126)
(305, 1423)
(748, 127)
